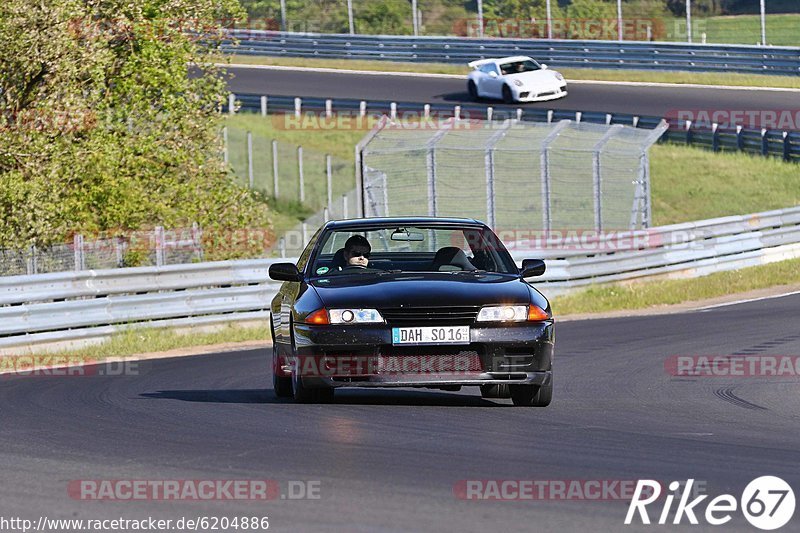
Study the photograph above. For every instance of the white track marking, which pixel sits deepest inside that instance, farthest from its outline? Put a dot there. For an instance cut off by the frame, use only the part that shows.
(726, 304)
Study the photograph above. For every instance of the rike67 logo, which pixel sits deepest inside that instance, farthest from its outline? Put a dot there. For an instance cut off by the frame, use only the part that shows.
(767, 503)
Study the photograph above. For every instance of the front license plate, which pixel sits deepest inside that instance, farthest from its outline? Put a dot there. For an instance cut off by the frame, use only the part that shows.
(431, 335)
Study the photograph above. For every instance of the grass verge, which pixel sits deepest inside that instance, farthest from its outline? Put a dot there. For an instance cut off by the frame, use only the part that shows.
(642, 295)
(150, 340)
(644, 76)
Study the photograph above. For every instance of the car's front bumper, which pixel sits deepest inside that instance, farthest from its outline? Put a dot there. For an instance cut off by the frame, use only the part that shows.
(523, 94)
(364, 356)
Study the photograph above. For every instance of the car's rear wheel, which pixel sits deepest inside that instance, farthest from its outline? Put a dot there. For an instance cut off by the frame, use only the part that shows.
(508, 96)
(473, 90)
(495, 391)
(532, 395)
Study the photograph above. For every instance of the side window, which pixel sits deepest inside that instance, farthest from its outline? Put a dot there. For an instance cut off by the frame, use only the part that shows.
(488, 68)
(303, 261)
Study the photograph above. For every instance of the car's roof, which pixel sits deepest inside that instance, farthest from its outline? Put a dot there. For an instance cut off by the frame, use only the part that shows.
(357, 223)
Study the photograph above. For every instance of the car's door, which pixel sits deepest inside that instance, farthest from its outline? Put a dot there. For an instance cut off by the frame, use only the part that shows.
(490, 84)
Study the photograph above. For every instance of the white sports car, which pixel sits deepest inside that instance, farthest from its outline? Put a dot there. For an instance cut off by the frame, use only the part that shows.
(515, 79)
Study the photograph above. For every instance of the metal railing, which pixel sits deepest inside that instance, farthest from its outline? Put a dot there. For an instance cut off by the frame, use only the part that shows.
(70, 306)
(765, 142)
(564, 53)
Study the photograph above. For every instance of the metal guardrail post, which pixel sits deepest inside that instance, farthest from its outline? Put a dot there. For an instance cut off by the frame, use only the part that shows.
(329, 181)
(231, 104)
(544, 174)
(275, 168)
(298, 106)
(263, 106)
(225, 144)
(430, 165)
(489, 167)
(159, 235)
(300, 177)
(715, 137)
(764, 142)
(597, 177)
(78, 250)
(787, 147)
(739, 138)
(250, 177)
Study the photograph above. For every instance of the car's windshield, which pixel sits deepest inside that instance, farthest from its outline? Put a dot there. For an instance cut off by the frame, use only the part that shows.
(411, 249)
(516, 67)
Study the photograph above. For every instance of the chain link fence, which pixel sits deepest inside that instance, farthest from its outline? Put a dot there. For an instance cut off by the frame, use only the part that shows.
(684, 21)
(513, 174)
(157, 247)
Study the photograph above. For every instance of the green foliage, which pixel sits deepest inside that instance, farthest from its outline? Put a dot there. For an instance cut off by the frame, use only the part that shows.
(103, 128)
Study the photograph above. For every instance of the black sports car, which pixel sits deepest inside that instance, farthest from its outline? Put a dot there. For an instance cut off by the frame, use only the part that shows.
(410, 302)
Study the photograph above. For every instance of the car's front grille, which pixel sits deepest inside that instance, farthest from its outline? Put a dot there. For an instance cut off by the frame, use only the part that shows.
(421, 316)
(429, 359)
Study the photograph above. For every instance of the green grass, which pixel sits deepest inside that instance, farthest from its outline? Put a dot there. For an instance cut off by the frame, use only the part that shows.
(641, 295)
(703, 78)
(691, 184)
(782, 30)
(287, 211)
(148, 340)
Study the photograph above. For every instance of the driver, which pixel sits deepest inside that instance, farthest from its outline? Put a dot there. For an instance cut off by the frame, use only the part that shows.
(356, 251)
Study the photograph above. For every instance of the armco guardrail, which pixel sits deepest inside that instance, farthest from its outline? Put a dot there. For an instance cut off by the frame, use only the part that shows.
(562, 53)
(681, 250)
(69, 306)
(90, 304)
(766, 142)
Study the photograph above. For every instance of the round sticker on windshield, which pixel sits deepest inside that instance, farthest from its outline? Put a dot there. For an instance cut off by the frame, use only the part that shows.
(322, 270)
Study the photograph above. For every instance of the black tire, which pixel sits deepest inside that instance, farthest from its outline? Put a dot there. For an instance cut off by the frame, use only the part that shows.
(495, 391)
(473, 90)
(300, 392)
(303, 394)
(508, 97)
(532, 395)
(281, 386)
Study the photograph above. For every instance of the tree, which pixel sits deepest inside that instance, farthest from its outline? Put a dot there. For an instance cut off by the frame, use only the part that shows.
(106, 125)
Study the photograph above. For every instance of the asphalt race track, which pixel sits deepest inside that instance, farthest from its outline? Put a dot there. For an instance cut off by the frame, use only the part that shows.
(389, 460)
(643, 100)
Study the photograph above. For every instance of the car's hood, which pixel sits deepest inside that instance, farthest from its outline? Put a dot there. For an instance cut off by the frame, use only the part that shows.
(535, 77)
(420, 289)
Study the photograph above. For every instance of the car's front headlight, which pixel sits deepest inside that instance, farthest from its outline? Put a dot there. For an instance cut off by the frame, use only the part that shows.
(559, 77)
(355, 316)
(503, 313)
(512, 313)
(518, 83)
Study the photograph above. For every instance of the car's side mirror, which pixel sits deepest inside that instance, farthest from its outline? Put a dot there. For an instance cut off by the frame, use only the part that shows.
(532, 267)
(544, 67)
(284, 272)
(493, 74)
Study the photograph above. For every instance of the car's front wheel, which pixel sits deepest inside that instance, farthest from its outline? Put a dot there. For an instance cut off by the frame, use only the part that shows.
(472, 89)
(281, 385)
(304, 394)
(532, 395)
(508, 96)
